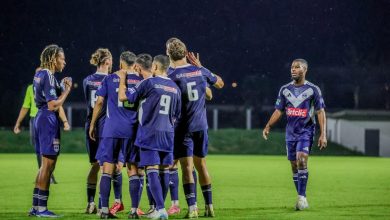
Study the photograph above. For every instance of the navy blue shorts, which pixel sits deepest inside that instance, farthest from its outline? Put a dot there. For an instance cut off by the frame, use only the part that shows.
(47, 133)
(191, 144)
(293, 147)
(154, 157)
(112, 150)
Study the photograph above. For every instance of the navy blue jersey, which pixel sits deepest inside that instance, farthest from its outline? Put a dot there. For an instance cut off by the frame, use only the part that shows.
(192, 81)
(159, 109)
(300, 104)
(46, 88)
(91, 84)
(121, 117)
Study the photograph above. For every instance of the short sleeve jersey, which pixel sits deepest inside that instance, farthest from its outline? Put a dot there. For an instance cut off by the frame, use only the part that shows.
(300, 104)
(46, 88)
(90, 86)
(121, 117)
(192, 81)
(159, 109)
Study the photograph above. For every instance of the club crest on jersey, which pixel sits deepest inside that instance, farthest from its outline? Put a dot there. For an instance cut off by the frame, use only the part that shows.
(296, 112)
(53, 92)
(56, 144)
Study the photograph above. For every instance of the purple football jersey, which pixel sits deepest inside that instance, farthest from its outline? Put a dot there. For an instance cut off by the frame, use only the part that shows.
(121, 117)
(300, 104)
(192, 82)
(159, 109)
(46, 88)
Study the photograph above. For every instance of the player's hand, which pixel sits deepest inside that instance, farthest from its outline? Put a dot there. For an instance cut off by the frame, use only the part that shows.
(66, 126)
(266, 132)
(17, 129)
(68, 83)
(194, 59)
(91, 133)
(322, 142)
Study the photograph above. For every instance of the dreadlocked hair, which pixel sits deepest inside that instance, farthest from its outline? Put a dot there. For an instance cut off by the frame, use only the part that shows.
(100, 55)
(49, 55)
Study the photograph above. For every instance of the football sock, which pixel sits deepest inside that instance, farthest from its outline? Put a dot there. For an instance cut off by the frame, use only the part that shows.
(295, 179)
(164, 179)
(91, 191)
(35, 198)
(141, 187)
(207, 194)
(194, 174)
(149, 193)
(117, 184)
(134, 185)
(303, 176)
(155, 188)
(174, 184)
(43, 196)
(105, 188)
(189, 192)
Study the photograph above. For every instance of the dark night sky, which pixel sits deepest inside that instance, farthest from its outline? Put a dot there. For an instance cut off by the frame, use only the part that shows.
(347, 43)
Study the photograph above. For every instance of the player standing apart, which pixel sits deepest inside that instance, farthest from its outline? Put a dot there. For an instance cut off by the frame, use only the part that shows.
(49, 98)
(102, 59)
(301, 100)
(191, 138)
(159, 100)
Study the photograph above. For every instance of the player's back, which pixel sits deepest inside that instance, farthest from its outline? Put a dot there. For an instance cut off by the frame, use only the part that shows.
(159, 109)
(192, 81)
(121, 117)
(90, 85)
(46, 88)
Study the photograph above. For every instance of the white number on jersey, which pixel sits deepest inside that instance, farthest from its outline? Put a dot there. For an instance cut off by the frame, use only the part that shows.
(125, 103)
(93, 98)
(192, 93)
(165, 102)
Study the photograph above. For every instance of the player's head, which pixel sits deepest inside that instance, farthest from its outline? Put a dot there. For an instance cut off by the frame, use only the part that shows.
(127, 60)
(160, 65)
(170, 40)
(176, 50)
(298, 69)
(102, 58)
(143, 64)
(53, 58)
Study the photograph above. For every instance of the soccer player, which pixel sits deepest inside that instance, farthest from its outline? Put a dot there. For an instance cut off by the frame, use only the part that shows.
(301, 100)
(118, 132)
(158, 111)
(49, 98)
(191, 139)
(29, 105)
(102, 59)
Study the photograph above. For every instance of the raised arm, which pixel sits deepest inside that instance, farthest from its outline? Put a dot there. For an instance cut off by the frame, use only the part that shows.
(54, 105)
(219, 84)
(209, 94)
(96, 112)
(122, 86)
(274, 118)
(322, 141)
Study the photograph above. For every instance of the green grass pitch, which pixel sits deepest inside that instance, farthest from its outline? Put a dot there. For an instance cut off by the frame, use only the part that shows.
(244, 187)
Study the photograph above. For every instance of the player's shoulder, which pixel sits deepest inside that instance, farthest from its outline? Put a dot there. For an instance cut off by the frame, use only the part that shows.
(313, 86)
(285, 86)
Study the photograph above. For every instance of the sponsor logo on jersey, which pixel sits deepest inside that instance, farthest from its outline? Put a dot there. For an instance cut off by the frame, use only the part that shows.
(190, 74)
(296, 112)
(93, 83)
(165, 88)
(132, 81)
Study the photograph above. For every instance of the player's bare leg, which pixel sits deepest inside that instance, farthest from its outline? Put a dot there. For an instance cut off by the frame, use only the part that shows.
(174, 188)
(303, 175)
(205, 183)
(187, 166)
(91, 187)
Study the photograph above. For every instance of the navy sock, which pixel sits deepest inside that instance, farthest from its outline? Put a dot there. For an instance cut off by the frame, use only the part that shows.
(303, 176)
(164, 179)
(141, 186)
(295, 179)
(149, 193)
(43, 196)
(117, 184)
(100, 202)
(155, 188)
(35, 197)
(134, 185)
(196, 183)
(174, 184)
(207, 194)
(105, 188)
(189, 192)
(91, 191)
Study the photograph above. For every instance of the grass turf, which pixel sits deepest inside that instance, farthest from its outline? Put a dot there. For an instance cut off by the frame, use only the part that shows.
(244, 187)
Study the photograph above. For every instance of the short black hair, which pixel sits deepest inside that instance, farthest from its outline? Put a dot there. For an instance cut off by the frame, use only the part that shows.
(303, 61)
(163, 61)
(144, 60)
(128, 57)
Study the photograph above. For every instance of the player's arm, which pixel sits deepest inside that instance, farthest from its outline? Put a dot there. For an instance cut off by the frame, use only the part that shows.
(209, 94)
(64, 119)
(274, 118)
(195, 60)
(55, 104)
(322, 141)
(95, 114)
(122, 86)
(23, 110)
(131, 95)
